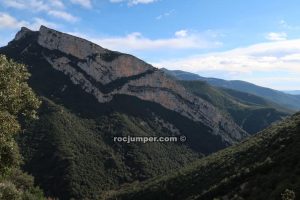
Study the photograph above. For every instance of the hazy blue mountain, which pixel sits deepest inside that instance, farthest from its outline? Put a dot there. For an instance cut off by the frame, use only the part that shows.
(287, 100)
(293, 92)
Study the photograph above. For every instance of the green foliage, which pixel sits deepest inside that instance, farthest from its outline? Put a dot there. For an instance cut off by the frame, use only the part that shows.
(288, 195)
(75, 157)
(16, 97)
(260, 168)
(250, 112)
(17, 102)
(9, 191)
(19, 186)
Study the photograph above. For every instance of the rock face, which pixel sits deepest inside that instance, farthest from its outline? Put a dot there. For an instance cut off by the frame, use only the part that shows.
(105, 74)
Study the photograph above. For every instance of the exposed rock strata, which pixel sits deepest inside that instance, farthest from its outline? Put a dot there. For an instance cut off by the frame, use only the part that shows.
(104, 74)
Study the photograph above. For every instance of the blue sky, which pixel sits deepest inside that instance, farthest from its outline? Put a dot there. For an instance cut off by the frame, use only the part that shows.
(257, 41)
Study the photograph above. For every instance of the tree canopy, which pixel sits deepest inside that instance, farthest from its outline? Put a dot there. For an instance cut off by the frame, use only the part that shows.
(17, 103)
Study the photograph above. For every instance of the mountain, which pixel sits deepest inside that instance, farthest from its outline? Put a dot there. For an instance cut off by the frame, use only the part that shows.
(105, 74)
(90, 95)
(293, 92)
(278, 97)
(250, 112)
(263, 167)
(74, 156)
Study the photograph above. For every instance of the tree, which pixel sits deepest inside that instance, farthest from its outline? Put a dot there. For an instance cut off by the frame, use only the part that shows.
(17, 102)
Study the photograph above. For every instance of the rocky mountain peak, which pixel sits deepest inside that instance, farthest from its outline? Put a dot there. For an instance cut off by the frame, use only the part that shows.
(75, 46)
(102, 64)
(105, 74)
(22, 33)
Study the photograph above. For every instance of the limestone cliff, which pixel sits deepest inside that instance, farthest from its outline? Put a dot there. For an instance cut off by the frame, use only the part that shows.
(105, 74)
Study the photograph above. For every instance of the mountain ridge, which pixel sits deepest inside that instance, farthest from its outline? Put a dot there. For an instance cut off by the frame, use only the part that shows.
(95, 94)
(279, 97)
(293, 92)
(250, 112)
(71, 55)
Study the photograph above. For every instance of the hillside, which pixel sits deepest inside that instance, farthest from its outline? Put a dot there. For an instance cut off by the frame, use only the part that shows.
(262, 167)
(75, 157)
(285, 100)
(250, 112)
(91, 94)
(293, 92)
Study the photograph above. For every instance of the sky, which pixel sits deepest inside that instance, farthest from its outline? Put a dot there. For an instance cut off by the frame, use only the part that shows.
(255, 41)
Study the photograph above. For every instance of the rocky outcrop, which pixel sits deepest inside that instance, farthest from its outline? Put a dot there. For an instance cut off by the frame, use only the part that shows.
(102, 64)
(104, 74)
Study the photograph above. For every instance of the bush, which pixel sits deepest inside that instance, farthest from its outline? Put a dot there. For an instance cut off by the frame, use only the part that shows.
(288, 195)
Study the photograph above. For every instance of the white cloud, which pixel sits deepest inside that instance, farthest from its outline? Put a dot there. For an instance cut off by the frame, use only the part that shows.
(34, 5)
(9, 22)
(133, 2)
(278, 83)
(292, 58)
(284, 24)
(54, 8)
(14, 4)
(137, 42)
(37, 22)
(271, 64)
(62, 15)
(116, 1)
(84, 3)
(276, 36)
(181, 33)
(58, 4)
(264, 57)
(166, 14)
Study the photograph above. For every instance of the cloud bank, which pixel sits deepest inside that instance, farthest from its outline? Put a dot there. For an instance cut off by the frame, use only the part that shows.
(280, 55)
(271, 64)
(182, 40)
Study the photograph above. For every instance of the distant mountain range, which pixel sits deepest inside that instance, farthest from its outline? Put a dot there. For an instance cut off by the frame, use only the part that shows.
(284, 99)
(293, 92)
